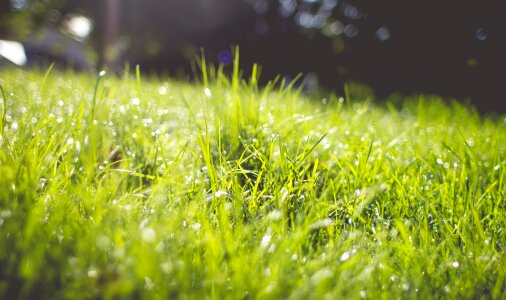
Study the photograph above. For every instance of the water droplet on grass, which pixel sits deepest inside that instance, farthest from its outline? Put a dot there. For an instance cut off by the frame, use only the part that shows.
(148, 235)
(321, 224)
(266, 240)
(135, 101)
(274, 215)
(345, 256)
(149, 283)
(92, 273)
(196, 226)
(162, 90)
(321, 275)
(220, 194)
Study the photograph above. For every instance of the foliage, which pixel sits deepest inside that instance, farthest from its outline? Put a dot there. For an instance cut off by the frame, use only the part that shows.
(144, 188)
(19, 19)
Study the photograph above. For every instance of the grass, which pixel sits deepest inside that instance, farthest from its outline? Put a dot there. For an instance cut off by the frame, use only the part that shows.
(137, 187)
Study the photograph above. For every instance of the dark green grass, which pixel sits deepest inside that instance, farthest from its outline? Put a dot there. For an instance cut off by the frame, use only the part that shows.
(142, 188)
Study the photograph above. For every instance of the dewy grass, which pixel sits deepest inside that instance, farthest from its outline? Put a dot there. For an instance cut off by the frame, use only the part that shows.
(228, 190)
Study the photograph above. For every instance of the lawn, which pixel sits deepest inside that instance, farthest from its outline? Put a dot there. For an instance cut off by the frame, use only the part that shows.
(141, 187)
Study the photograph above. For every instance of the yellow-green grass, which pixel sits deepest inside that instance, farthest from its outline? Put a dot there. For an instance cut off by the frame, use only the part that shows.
(136, 187)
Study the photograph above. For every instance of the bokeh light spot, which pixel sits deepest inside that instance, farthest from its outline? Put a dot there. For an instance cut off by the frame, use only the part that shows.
(481, 34)
(79, 26)
(19, 4)
(472, 62)
(308, 20)
(338, 45)
(350, 30)
(351, 12)
(329, 4)
(304, 19)
(225, 57)
(333, 29)
(13, 51)
(319, 20)
(261, 27)
(287, 7)
(383, 33)
(261, 6)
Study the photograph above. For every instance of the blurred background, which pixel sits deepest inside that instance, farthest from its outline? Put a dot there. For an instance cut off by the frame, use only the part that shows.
(453, 48)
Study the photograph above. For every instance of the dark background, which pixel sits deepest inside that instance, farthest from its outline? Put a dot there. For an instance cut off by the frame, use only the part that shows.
(447, 47)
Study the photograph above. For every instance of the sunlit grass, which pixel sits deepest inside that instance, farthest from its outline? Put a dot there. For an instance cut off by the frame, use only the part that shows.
(144, 188)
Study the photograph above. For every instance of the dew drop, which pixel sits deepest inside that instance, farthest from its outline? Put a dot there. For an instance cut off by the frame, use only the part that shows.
(149, 283)
(345, 256)
(92, 273)
(135, 101)
(220, 194)
(162, 90)
(321, 224)
(196, 226)
(148, 235)
(266, 240)
(275, 215)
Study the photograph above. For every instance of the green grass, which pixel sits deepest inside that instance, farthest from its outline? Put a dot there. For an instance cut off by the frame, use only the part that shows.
(143, 188)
